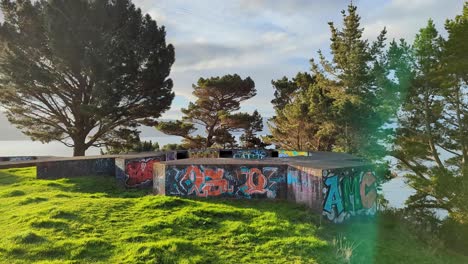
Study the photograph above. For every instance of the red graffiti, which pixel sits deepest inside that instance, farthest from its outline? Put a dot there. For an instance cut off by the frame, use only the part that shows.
(206, 183)
(139, 172)
(253, 187)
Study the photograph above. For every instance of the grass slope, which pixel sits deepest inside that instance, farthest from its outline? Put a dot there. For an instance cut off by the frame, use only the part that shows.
(90, 220)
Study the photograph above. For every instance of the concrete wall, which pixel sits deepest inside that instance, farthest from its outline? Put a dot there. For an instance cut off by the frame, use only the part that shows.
(336, 193)
(67, 168)
(305, 185)
(233, 153)
(349, 192)
(250, 181)
(251, 154)
(203, 153)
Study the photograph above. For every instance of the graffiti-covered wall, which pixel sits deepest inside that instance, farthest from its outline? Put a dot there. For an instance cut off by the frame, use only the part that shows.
(250, 154)
(349, 192)
(305, 186)
(226, 180)
(137, 172)
(292, 153)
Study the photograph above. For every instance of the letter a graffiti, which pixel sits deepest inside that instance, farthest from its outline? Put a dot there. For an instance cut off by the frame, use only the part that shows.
(333, 196)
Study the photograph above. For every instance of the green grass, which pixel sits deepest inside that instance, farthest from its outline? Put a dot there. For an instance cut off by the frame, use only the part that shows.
(91, 220)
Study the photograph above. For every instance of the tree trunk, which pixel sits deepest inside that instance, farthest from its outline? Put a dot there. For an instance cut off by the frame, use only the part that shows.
(79, 148)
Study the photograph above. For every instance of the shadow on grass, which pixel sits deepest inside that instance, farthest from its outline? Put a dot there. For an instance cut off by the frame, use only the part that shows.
(98, 185)
(91, 250)
(12, 176)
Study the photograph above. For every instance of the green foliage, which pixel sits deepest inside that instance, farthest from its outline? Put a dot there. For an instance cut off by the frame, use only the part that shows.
(217, 100)
(432, 140)
(91, 220)
(138, 146)
(343, 105)
(302, 123)
(249, 139)
(168, 147)
(82, 72)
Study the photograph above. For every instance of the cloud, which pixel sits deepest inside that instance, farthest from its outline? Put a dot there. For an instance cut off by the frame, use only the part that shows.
(267, 39)
(290, 7)
(189, 55)
(404, 18)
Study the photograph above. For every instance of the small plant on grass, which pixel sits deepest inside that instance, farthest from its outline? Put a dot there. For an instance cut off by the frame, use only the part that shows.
(344, 248)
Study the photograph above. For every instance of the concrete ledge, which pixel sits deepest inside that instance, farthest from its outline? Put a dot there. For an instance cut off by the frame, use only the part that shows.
(75, 168)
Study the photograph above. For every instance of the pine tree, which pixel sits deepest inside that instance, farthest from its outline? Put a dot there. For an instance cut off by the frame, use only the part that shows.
(82, 72)
(249, 139)
(217, 100)
(432, 140)
(354, 80)
(344, 104)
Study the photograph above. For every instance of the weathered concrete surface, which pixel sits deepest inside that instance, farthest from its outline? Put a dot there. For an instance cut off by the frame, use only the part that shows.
(336, 185)
(305, 185)
(349, 192)
(21, 161)
(75, 167)
(221, 177)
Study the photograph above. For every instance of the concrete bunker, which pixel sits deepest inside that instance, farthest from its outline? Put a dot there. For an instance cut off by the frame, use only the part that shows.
(336, 185)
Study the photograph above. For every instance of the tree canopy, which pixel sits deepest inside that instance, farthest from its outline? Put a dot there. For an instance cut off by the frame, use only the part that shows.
(218, 100)
(341, 105)
(82, 72)
(432, 140)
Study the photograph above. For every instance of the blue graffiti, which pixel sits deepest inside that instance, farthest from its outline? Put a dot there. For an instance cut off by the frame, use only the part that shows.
(250, 154)
(333, 198)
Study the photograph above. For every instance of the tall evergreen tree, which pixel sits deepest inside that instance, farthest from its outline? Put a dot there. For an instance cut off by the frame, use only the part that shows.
(344, 104)
(82, 72)
(432, 139)
(354, 83)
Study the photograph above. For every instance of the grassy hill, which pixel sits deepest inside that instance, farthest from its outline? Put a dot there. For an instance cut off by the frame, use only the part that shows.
(90, 220)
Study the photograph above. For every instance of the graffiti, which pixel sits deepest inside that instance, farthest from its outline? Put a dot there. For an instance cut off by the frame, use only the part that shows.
(171, 155)
(291, 153)
(348, 193)
(139, 172)
(203, 153)
(205, 182)
(368, 190)
(229, 181)
(304, 186)
(103, 165)
(250, 154)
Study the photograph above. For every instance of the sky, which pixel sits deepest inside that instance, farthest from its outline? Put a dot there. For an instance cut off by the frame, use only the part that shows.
(267, 39)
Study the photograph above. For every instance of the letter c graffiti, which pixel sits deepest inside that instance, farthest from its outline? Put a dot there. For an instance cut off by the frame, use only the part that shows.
(368, 197)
